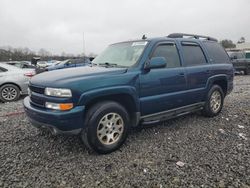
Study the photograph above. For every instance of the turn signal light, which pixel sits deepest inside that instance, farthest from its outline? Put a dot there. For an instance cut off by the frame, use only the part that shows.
(59, 106)
(66, 106)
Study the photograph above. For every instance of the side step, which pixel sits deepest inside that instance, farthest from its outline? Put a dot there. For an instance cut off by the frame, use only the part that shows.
(169, 114)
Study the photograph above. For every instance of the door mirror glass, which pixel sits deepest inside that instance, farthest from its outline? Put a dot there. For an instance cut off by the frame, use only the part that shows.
(156, 62)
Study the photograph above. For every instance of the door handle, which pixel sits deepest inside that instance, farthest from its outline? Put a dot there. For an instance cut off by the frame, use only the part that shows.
(181, 74)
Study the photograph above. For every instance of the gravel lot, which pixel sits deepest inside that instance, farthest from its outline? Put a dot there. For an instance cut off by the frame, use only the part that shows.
(191, 151)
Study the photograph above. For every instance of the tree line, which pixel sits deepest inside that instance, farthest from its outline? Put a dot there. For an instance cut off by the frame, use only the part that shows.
(25, 54)
(226, 43)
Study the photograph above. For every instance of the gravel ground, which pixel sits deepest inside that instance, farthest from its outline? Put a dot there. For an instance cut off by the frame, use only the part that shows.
(190, 151)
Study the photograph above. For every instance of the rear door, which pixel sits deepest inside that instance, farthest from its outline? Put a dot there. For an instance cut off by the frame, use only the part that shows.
(163, 88)
(197, 71)
(3, 74)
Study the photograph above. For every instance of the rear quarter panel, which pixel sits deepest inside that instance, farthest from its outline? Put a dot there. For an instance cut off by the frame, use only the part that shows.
(16, 78)
(222, 72)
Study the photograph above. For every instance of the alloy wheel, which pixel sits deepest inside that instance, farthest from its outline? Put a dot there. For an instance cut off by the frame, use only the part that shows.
(110, 128)
(215, 101)
(9, 93)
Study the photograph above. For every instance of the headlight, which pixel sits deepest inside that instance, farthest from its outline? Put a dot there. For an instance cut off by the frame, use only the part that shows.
(58, 92)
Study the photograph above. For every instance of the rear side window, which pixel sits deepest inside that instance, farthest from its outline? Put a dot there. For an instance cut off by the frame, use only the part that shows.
(248, 55)
(170, 53)
(193, 54)
(3, 69)
(216, 52)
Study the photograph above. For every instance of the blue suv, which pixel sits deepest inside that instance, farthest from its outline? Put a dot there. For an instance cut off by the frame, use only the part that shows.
(130, 84)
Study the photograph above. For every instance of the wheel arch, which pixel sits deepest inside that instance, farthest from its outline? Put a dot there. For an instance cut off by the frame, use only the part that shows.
(220, 80)
(12, 84)
(125, 96)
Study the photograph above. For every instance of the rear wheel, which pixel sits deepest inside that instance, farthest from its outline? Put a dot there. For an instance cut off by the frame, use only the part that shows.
(214, 102)
(247, 72)
(106, 127)
(9, 92)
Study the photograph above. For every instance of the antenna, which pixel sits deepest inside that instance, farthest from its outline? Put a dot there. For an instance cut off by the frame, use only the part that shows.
(144, 37)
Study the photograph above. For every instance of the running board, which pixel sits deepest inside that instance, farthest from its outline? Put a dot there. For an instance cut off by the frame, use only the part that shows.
(169, 114)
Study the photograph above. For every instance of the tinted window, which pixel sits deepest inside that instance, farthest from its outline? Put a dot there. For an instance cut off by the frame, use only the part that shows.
(2, 69)
(80, 61)
(248, 55)
(25, 66)
(193, 54)
(170, 53)
(216, 52)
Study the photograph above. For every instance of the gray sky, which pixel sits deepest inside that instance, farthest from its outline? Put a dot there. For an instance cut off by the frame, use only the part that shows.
(58, 25)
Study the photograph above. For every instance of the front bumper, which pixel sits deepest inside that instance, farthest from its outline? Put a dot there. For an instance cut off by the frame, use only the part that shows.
(59, 122)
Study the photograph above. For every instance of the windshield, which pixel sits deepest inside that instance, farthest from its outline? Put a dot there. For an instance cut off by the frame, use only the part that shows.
(123, 54)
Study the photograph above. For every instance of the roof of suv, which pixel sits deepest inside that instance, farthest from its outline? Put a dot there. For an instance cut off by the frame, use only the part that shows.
(176, 36)
(182, 36)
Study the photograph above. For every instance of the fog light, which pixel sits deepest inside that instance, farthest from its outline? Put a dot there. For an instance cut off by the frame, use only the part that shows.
(59, 106)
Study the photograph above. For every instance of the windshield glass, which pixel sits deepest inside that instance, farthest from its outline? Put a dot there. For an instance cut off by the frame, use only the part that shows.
(123, 54)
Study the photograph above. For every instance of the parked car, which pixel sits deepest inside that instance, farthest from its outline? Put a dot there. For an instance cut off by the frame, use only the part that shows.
(247, 52)
(131, 84)
(70, 63)
(240, 61)
(42, 64)
(22, 64)
(13, 82)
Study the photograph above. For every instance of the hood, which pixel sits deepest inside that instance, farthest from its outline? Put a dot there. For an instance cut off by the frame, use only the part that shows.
(59, 77)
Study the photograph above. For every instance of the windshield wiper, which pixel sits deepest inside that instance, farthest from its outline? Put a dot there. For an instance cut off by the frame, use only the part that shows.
(107, 64)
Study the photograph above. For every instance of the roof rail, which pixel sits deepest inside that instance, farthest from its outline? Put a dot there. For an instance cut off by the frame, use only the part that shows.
(182, 35)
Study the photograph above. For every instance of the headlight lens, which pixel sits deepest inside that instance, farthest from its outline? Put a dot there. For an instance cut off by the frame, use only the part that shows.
(56, 92)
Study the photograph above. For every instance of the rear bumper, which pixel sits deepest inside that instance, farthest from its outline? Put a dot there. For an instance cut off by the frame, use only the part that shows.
(67, 122)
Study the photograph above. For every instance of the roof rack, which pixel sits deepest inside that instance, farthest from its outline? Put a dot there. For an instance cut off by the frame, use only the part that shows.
(182, 35)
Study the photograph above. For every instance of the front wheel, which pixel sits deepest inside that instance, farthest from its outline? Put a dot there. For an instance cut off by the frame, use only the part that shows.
(106, 127)
(214, 101)
(9, 93)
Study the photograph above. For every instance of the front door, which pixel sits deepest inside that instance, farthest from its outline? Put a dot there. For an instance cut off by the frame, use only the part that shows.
(163, 88)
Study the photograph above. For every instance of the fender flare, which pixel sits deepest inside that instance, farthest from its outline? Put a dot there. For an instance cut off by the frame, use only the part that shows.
(214, 78)
(91, 95)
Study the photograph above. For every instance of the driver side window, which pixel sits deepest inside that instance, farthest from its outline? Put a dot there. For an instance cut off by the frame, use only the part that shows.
(170, 53)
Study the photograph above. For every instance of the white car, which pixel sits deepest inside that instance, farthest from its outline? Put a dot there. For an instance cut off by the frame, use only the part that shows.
(13, 82)
(42, 64)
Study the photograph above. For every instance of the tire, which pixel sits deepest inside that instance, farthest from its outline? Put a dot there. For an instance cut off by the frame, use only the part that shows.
(9, 93)
(247, 72)
(102, 133)
(214, 101)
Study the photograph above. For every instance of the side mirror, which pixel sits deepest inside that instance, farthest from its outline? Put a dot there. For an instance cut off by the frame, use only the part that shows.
(156, 62)
(67, 63)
